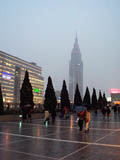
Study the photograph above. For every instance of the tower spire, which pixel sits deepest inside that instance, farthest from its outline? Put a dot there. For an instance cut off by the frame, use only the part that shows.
(75, 70)
(76, 37)
(76, 41)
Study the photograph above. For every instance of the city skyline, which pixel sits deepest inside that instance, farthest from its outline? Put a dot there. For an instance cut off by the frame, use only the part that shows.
(44, 31)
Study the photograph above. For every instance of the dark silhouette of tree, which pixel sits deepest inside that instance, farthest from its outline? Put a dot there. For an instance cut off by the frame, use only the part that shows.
(86, 99)
(26, 93)
(50, 101)
(1, 101)
(64, 97)
(100, 100)
(94, 99)
(77, 97)
(104, 100)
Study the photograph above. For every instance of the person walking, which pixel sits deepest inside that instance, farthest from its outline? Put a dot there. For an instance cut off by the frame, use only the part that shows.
(25, 111)
(81, 116)
(108, 112)
(47, 117)
(28, 108)
(24, 114)
(30, 115)
(103, 112)
(115, 108)
(53, 116)
(87, 120)
(65, 111)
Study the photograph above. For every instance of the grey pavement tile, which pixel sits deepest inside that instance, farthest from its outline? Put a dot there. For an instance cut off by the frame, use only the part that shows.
(113, 139)
(9, 155)
(96, 153)
(53, 149)
(75, 135)
(20, 146)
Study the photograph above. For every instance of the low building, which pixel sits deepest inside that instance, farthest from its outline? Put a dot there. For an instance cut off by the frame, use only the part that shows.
(115, 95)
(12, 72)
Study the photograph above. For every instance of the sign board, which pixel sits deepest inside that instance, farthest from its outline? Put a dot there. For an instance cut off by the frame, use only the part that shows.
(36, 90)
(6, 75)
(114, 91)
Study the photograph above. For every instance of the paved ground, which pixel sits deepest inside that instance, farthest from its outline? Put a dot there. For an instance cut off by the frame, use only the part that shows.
(61, 141)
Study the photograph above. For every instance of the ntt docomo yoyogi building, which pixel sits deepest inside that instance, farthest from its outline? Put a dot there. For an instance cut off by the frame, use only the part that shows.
(12, 72)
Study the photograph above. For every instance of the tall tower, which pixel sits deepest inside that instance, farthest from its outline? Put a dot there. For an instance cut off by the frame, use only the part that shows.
(75, 71)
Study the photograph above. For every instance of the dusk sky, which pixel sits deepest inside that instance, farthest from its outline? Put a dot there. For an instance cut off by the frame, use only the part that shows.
(43, 31)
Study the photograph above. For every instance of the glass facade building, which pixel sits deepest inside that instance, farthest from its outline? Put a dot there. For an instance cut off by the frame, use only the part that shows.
(12, 72)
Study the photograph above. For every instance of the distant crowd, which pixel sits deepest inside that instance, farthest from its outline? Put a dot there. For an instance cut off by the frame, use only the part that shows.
(82, 116)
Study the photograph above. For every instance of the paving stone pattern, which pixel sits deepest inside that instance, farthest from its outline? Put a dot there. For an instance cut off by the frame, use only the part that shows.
(61, 141)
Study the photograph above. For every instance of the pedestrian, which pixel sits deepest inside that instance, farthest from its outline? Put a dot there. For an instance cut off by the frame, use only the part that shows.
(81, 116)
(96, 111)
(53, 116)
(115, 108)
(30, 115)
(103, 112)
(108, 112)
(118, 108)
(28, 108)
(65, 111)
(77, 119)
(24, 114)
(25, 110)
(47, 117)
(87, 120)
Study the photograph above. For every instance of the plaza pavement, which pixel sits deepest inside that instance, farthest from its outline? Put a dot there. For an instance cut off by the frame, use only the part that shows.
(61, 141)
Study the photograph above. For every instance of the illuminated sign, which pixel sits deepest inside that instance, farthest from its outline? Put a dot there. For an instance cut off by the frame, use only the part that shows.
(115, 91)
(6, 75)
(36, 90)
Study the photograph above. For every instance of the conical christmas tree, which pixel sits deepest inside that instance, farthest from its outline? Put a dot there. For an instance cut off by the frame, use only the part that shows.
(94, 99)
(26, 93)
(1, 101)
(64, 97)
(50, 101)
(100, 100)
(86, 100)
(77, 97)
(104, 100)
